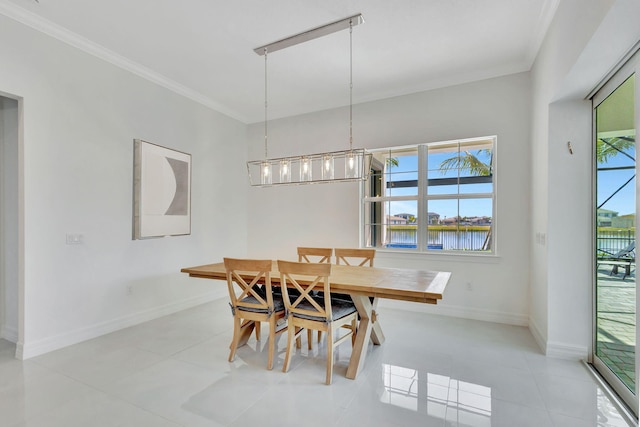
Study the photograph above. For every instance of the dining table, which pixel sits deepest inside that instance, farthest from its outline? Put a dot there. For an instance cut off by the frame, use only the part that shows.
(366, 286)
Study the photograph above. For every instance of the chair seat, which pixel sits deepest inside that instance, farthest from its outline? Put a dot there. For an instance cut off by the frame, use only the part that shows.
(278, 304)
(339, 309)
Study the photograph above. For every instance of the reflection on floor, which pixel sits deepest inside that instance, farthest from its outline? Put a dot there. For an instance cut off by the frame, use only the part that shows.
(173, 371)
(616, 311)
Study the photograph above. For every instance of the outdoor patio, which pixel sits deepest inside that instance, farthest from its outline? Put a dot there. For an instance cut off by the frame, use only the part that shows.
(616, 322)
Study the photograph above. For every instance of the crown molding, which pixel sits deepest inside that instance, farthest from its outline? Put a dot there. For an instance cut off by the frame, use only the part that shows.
(51, 29)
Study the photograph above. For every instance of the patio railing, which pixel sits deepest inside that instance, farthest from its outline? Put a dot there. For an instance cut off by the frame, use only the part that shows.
(612, 241)
(470, 240)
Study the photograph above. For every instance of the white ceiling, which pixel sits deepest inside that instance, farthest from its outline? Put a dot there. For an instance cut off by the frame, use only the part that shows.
(204, 48)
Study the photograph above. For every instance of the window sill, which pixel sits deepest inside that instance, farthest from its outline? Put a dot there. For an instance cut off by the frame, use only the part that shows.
(439, 255)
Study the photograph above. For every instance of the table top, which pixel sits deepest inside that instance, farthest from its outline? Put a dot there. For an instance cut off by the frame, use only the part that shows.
(393, 283)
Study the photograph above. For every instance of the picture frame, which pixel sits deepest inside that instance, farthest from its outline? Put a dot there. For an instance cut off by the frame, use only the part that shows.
(162, 191)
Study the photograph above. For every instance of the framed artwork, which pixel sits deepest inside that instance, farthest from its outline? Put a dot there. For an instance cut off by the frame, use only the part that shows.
(162, 191)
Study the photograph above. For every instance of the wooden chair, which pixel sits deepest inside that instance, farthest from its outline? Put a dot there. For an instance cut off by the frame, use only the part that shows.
(319, 255)
(308, 312)
(324, 254)
(359, 257)
(251, 303)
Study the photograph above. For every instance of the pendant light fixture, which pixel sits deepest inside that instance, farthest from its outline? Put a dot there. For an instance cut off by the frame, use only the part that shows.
(336, 166)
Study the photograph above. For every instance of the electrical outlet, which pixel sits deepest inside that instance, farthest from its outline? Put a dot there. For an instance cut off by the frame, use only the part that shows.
(129, 290)
(469, 287)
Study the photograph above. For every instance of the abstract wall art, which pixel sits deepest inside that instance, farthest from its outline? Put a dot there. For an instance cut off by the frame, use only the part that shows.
(162, 191)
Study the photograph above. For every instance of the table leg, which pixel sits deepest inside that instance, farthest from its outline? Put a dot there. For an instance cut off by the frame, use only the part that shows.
(368, 329)
(377, 337)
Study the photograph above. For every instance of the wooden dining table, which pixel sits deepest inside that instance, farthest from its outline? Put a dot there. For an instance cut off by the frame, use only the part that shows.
(366, 286)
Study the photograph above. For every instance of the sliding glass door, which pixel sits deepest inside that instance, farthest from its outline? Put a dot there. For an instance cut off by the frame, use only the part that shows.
(615, 123)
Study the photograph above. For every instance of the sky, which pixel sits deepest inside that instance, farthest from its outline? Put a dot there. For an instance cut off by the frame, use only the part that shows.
(609, 181)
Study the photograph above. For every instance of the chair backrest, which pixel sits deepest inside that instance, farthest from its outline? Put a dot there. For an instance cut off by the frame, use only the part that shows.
(627, 252)
(306, 277)
(359, 257)
(244, 277)
(324, 254)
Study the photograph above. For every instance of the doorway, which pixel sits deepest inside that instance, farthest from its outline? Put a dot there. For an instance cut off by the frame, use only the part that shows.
(9, 219)
(615, 224)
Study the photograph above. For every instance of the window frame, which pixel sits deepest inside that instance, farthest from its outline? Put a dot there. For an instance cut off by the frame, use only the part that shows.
(422, 199)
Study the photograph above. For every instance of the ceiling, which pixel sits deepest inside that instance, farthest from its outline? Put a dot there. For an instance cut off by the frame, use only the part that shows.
(203, 49)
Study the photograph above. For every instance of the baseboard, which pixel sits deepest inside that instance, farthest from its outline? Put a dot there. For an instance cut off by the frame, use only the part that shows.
(458, 311)
(35, 348)
(566, 351)
(557, 349)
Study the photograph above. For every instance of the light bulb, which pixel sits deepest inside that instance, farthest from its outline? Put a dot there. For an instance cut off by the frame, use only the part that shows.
(327, 170)
(266, 173)
(285, 175)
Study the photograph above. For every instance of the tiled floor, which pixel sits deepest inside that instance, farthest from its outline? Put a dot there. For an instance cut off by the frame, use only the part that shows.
(431, 371)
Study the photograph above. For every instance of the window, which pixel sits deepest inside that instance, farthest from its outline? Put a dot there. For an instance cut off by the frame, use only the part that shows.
(431, 197)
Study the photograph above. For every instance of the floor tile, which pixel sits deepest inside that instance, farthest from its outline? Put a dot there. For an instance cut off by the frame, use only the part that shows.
(174, 371)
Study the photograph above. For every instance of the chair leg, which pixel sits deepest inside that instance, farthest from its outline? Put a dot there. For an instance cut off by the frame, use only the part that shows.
(237, 328)
(298, 339)
(290, 337)
(309, 339)
(257, 326)
(319, 336)
(272, 341)
(329, 355)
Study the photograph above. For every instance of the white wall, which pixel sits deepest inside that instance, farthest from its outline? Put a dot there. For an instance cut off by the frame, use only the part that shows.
(585, 40)
(9, 121)
(81, 115)
(327, 215)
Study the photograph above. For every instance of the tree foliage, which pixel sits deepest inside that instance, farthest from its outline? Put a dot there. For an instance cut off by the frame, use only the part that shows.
(469, 160)
(607, 148)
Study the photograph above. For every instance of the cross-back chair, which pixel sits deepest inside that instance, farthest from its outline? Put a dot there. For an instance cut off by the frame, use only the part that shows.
(306, 254)
(309, 312)
(252, 301)
(358, 257)
(319, 255)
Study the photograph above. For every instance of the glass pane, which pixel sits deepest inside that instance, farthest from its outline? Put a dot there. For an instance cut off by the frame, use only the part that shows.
(615, 233)
(475, 225)
(401, 173)
(441, 171)
(476, 169)
(402, 184)
(462, 168)
(401, 224)
(391, 224)
(463, 224)
(442, 229)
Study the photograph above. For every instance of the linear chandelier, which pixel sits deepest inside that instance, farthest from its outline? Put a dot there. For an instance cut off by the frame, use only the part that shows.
(335, 166)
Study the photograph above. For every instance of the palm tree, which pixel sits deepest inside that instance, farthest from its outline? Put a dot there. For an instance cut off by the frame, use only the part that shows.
(607, 148)
(470, 161)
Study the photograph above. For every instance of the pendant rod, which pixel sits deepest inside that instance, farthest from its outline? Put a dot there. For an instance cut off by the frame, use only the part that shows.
(265, 104)
(311, 34)
(351, 85)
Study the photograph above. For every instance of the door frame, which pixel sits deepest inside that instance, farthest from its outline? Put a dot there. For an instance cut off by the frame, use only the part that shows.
(632, 66)
(18, 287)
